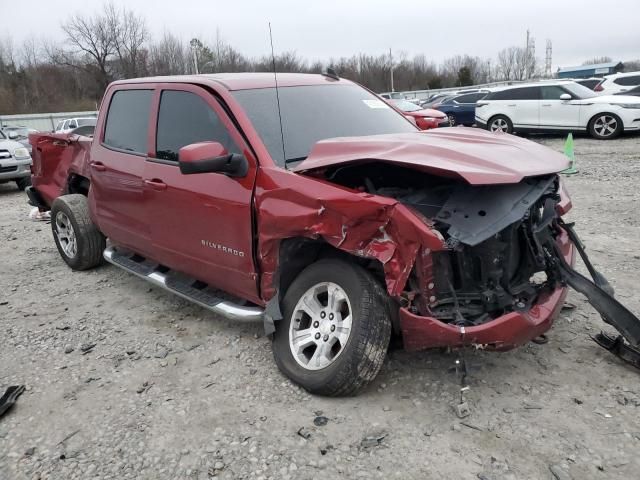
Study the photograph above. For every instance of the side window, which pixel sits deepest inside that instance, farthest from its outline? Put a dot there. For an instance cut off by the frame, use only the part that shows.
(521, 93)
(468, 98)
(185, 118)
(552, 92)
(128, 120)
(628, 81)
(72, 124)
(58, 126)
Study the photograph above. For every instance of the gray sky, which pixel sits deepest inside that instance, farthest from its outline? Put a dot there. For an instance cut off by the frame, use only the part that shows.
(320, 29)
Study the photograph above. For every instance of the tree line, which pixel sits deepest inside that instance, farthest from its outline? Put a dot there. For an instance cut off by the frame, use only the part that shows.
(115, 43)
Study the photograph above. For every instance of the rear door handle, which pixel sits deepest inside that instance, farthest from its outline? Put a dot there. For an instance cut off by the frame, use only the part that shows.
(511, 105)
(156, 184)
(98, 166)
(546, 104)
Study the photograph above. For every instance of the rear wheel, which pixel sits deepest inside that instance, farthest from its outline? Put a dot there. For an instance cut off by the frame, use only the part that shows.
(605, 126)
(23, 182)
(500, 123)
(335, 330)
(79, 241)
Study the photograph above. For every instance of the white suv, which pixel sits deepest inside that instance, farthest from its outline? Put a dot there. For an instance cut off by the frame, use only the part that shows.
(558, 106)
(617, 83)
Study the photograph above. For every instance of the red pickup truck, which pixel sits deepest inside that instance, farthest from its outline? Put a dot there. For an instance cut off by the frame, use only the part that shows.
(314, 206)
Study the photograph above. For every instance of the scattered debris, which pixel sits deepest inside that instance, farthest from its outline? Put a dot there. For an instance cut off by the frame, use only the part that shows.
(30, 451)
(320, 421)
(304, 433)
(559, 473)
(75, 432)
(87, 347)
(9, 398)
(373, 440)
(144, 387)
(68, 349)
(472, 426)
(327, 449)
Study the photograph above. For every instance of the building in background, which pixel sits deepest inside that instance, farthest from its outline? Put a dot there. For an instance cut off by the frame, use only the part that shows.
(588, 71)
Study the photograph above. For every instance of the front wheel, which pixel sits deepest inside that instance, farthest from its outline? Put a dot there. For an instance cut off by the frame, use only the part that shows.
(500, 123)
(78, 239)
(605, 126)
(335, 330)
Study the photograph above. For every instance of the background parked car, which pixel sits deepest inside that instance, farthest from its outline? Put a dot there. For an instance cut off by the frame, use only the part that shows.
(19, 134)
(558, 106)
(618, 82)
(425, 118)
(15, 162)
(461, 109)
(66, 126)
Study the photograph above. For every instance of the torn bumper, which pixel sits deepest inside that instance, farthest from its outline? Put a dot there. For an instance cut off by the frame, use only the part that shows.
(502, 333)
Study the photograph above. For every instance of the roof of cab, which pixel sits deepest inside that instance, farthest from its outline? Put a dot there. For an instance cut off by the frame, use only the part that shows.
(241, 81)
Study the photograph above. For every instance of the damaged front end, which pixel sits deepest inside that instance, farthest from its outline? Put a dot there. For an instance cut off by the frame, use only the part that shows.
(501, 277)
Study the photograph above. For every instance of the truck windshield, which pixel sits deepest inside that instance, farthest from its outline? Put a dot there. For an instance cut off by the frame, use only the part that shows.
(315, 112)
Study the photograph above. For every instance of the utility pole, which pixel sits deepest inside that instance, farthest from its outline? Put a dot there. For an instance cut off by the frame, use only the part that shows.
(391, 69)
(194, 49)
(526, 58)
(547, 63)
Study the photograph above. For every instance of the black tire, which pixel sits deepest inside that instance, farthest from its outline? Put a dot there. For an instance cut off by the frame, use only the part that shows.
(506, 121)
(23, 183)
(595, 129)
(362, 357)
(89, 241)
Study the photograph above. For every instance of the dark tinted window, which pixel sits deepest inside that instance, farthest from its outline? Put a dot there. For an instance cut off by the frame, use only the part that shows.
(552, 92)
(589, 83)
(185, 118)
(128, 120)
(628, 81)
(316, 112)
(521, 93)
(470, 97)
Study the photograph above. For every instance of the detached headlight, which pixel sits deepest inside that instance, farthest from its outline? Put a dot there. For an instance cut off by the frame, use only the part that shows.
(627, 105)
(21, 153)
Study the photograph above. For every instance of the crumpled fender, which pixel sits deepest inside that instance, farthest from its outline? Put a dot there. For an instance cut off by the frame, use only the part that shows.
(55, 157)
(369, 226)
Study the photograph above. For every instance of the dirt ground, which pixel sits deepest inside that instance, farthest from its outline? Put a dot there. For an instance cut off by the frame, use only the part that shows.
(169, 391)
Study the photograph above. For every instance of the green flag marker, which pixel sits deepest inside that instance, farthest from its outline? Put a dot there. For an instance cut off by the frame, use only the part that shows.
(568, 151)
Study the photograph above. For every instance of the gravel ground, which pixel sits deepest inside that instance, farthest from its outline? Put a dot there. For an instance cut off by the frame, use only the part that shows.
(169, 391)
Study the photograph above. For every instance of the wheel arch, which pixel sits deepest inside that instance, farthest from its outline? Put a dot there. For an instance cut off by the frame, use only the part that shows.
(77, 183)
(297, 253)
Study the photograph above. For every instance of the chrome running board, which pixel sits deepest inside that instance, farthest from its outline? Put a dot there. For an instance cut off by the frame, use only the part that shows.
(183, 287)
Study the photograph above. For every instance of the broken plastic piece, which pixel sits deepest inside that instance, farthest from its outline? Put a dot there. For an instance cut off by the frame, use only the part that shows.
(619, 347)
(9, 398)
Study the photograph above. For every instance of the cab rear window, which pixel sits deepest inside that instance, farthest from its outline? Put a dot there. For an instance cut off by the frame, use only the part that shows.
(128, 120)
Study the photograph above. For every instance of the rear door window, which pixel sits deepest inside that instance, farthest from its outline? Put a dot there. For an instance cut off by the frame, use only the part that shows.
(185, 118)
(521, 93)
(128, 120)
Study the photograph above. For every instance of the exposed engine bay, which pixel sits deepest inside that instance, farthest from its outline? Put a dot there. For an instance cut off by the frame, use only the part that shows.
(502, 252)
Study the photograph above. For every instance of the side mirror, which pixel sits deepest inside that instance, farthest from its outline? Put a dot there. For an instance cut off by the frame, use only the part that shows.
(13, 135)
(211, 157)
(565, 97)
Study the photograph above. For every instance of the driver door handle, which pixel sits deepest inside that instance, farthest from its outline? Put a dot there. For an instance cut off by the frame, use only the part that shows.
(156, 184)
(98, 166)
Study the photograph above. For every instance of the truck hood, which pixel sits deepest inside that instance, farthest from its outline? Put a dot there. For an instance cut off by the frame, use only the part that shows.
(477, 156)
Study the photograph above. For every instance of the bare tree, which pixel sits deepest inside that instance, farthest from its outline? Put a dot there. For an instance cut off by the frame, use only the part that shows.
(597, 60)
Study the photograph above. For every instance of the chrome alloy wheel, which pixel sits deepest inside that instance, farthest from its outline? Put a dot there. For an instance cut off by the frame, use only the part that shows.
(320, 327)
(499, 125)
(605, 125)
(66, 235)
